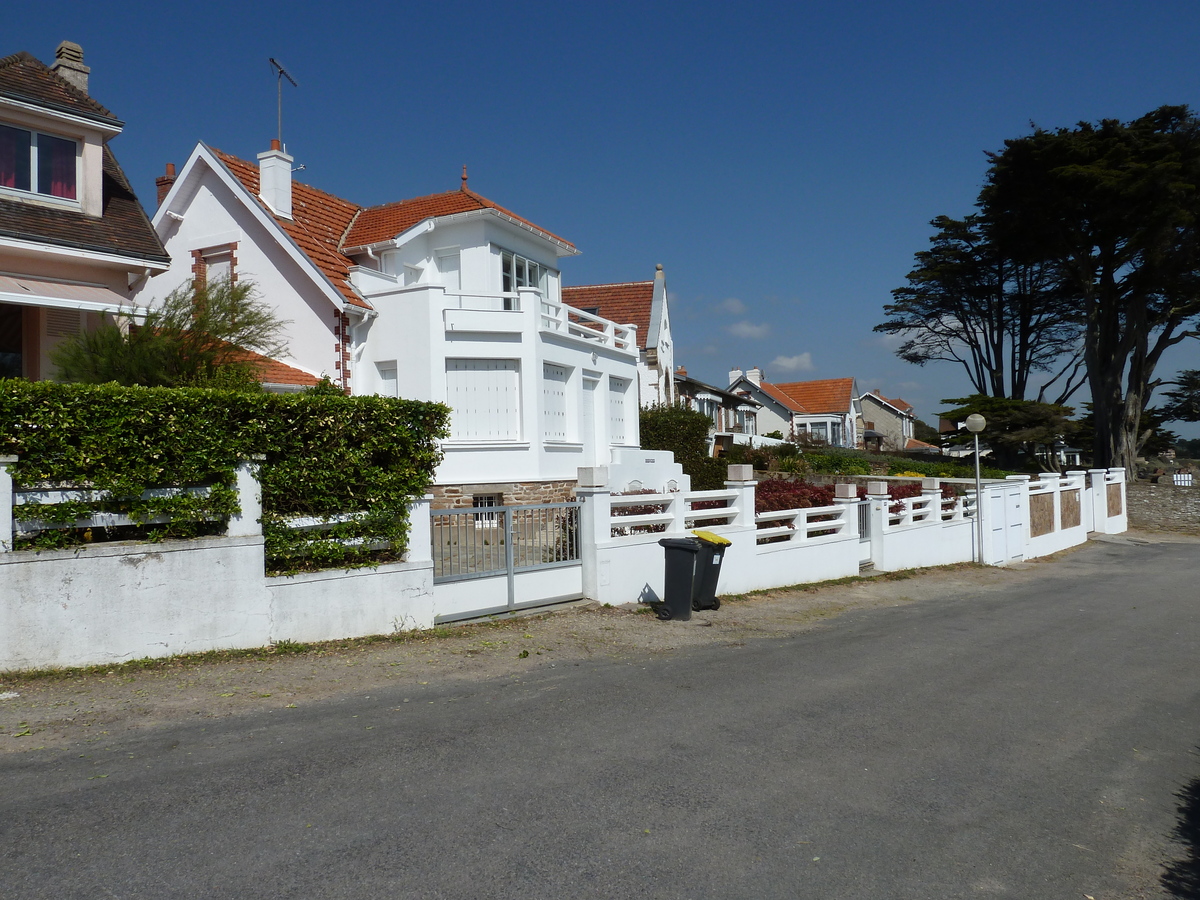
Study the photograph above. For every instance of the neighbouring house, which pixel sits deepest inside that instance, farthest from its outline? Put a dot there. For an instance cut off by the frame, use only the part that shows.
(886, 424)
(734, 417)
(642, 304)
(824, 411)
(448, 297)
(74, 241)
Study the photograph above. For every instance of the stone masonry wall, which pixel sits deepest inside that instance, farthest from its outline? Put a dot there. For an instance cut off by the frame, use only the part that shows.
(460, 496)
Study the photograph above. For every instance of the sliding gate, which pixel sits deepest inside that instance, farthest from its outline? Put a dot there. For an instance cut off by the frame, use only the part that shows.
(497, 559)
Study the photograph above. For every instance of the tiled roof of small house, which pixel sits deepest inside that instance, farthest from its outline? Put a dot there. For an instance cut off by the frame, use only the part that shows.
(921, 446)
(902, 405)
(829, 395)
(382, 223)
(24, 77)
(272, 371)
(627, 303)
(319, 220)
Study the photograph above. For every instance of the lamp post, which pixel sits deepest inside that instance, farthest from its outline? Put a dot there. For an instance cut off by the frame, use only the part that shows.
(975, 424)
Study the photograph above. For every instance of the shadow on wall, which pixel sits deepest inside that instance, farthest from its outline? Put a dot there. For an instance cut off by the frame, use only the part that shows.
(1181, 878)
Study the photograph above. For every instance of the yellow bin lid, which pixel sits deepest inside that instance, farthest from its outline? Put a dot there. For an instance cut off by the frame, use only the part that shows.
(712, 538)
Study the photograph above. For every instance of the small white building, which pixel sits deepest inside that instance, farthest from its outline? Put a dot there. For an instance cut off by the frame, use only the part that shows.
(448, 297)
(644, 305)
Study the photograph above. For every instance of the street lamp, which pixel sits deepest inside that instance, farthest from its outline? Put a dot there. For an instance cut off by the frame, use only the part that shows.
(975, 424)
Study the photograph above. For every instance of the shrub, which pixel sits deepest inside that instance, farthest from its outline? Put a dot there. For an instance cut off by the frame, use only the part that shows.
(324, 456)
(684, 432)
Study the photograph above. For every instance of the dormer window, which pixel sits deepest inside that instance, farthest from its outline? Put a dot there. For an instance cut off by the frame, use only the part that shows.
(517, 272)
(37, 163)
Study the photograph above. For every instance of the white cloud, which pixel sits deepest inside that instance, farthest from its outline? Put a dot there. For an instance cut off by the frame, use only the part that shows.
(749, 330)
(733, 305)
(802, 362)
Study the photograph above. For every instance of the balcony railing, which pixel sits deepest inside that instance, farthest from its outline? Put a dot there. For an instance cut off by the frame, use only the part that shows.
(576, 323)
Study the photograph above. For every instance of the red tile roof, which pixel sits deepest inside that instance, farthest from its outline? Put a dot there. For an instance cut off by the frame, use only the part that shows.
(914, 444)
(627, 303)
(830, 395)
(902, 405)
(319, 220)
(272, 371)
(382, 223)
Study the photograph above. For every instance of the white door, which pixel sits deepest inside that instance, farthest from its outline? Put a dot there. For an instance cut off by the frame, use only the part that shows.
(448, 266)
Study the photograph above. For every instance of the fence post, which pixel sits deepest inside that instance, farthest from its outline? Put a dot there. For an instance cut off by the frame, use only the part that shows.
(741, 479)
(595, 524)
(879, 502)
(420, 530)
(1099, 499)
(931, 490)
(248, 521)
(6, 504)
(846, 496)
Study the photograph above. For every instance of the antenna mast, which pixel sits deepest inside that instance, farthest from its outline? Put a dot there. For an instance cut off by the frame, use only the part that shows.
(281, 73)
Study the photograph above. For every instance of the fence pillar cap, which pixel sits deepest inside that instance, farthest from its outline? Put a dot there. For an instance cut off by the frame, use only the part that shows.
(593, 476)
(845, 491)
(877, 488)
(931, 484)
(741, 472)
(1098, 471)
(1019, 477)
(8, 460)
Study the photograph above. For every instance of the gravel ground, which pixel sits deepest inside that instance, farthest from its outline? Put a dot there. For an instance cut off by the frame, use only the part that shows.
(78, 708)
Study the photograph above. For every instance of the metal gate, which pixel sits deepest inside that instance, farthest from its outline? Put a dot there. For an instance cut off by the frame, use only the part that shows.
(497, 559)
(864, 531)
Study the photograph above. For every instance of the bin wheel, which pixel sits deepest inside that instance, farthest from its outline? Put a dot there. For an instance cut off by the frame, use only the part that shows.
(716, 603)
(663, 612)
(695, 606)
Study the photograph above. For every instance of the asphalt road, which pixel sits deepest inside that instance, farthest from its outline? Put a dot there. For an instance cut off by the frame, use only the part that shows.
(1037, 745)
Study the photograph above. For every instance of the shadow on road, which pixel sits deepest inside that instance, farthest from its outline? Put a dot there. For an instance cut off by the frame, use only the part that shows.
(1182, 877)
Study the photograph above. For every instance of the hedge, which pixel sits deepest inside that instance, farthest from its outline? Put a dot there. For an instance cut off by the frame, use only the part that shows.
(323, 455)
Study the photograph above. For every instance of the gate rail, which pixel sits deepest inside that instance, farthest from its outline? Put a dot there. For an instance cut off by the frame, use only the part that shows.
(489, 541)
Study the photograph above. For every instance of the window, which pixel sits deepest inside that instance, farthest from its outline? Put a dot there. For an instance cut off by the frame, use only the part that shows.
(486, 501)
(388, 383)
(38, 163)
(617, 388)
(484, 399)
(835, 433)
(554, 402)
(819, 431)
(517, 272)
(214, 264)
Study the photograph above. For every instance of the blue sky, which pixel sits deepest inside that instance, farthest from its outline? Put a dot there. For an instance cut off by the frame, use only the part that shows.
(782, 160)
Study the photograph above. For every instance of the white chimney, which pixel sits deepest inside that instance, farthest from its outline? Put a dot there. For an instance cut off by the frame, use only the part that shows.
(755, 375)
(734, 374)
(275, 180)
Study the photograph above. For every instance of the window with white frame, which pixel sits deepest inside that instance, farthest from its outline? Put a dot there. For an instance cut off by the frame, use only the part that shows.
(517, 272)
(556, 421)
(38, 163)
(618, 389)
(484, 396)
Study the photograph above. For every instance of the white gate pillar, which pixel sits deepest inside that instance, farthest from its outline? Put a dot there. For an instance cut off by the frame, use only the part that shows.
(248, 521)
(1099, 494)
(595, 524)
(6, 504)
(741, 479)
(420, 530)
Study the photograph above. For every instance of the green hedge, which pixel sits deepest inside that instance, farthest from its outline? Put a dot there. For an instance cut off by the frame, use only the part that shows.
(324, 456)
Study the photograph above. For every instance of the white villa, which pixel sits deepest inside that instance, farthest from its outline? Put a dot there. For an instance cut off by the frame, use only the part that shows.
(447, 297)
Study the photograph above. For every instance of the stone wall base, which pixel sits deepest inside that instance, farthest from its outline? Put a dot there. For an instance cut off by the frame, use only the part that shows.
(512, 493)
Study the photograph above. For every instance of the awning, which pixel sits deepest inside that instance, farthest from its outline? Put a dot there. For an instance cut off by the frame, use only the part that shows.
(29, 291)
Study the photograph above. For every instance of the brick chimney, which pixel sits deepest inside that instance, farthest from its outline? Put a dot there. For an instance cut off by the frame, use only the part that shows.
(68, 64)
(275, 180)
(681, 372)
(164, 182)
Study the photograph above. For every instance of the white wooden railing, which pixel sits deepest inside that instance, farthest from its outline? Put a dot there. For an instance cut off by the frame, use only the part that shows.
(26, 521)
(802, 524)
(568, 320)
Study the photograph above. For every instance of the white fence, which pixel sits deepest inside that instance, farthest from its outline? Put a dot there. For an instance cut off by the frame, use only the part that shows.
(112, 602)
(107, 603)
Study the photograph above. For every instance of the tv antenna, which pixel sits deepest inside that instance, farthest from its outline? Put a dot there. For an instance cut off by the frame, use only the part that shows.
(281, 73)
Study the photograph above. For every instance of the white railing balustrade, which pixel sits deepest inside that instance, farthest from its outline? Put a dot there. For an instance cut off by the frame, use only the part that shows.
(568, 320)
(801, 524)
(27, 523)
